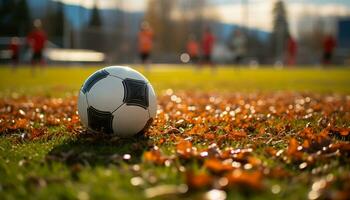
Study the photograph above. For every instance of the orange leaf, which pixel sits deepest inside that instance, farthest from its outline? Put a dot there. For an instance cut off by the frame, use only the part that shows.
(184, 149)
(154, 156)
(21, 124)
(198, 181)
(238, 177)
(271, 151)
(292, 150)
(216, 166)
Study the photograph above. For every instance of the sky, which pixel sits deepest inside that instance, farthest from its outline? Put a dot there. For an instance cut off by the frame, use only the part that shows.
(128, 5)
(260, 15)
(257, 13)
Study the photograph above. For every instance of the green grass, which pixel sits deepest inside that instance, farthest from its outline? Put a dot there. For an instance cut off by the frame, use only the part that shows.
(33, 170)
(59, 80)
(25, 177)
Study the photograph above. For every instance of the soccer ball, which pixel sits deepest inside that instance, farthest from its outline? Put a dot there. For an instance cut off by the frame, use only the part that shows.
(117, 100)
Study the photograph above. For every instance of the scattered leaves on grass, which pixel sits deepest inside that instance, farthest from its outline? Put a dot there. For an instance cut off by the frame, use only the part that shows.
(214, 142)
(234, 138)
(34, 115)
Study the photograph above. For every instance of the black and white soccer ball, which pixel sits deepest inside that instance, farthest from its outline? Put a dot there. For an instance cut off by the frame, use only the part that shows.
(117, 100)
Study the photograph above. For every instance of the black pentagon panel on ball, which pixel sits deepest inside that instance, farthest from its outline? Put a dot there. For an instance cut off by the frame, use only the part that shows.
(100, 121)
(94, 79)
(135, 93)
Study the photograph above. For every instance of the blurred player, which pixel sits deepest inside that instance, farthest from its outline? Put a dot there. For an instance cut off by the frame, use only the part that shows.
(14, 49)
(193, 50)
(239, 46)
(37, 40)
(291, 51)
(145, 38)
(207, 47)
(329, 44)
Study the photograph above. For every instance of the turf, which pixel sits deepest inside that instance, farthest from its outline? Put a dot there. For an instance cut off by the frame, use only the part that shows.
(42, 159)
(60, 80)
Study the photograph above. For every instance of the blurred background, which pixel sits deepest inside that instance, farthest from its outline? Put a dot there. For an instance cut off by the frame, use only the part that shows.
(90, 31)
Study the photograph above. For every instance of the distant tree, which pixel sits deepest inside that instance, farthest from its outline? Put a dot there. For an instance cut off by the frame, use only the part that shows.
(280, 30)
(196, 13)
(95, 20)
(55, 21)
(22, 18)
(158, 15)
(93, 30)
(14, 18)
(6, 16)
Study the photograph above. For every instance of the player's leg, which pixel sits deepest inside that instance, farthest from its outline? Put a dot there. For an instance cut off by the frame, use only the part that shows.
(330, 55)
(211, 63)
(14, 59)
(147, 61)
(195, 62)
(293, 60)
(41, 59)
(34, 62)
(325, 58)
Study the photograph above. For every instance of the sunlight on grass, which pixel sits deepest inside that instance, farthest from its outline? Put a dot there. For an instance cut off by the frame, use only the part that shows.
(59, 80)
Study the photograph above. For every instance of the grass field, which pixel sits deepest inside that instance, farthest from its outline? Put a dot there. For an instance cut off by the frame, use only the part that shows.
(59, 80)
(234, 134)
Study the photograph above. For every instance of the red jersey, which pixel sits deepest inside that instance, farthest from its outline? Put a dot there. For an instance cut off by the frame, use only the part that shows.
(329, 44)
(37, 40)
(291, 46)
(145, 41)
(14, 48)
(192, 48)
(208, 43)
